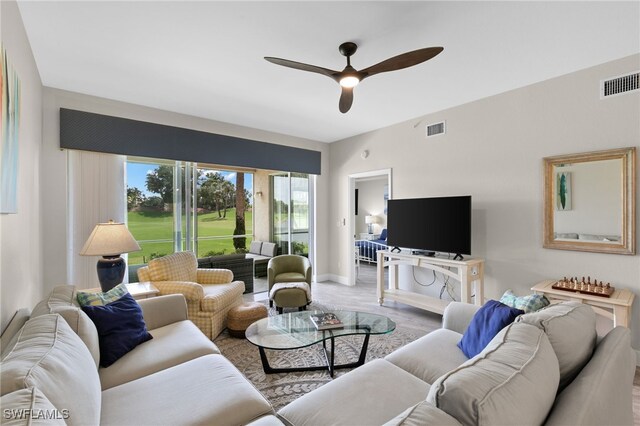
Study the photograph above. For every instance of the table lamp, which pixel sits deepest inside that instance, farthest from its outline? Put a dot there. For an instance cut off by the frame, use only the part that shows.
(370, 220)
(110, 240)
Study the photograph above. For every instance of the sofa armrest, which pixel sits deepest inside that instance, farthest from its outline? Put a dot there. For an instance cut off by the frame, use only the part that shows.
(144, 274)
(190, 291)
(163, 310)
(214, 276)
(458, 315)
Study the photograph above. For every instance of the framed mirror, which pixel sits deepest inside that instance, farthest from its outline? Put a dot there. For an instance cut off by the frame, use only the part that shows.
(589, 201)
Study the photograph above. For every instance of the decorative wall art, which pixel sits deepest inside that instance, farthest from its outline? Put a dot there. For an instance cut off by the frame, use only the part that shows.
(10, 95)
(563, 191)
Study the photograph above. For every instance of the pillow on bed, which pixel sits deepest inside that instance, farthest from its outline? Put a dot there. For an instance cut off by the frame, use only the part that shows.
(383, 234)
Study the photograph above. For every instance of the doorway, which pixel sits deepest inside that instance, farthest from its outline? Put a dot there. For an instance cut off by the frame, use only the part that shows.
(367, 220)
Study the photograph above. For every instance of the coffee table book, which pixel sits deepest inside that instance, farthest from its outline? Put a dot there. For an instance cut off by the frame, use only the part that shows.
(326, 321)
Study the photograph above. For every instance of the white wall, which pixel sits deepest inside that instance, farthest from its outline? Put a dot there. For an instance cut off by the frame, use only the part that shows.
(55, 162)
(371, 202)
(21, 234)
(493, 150)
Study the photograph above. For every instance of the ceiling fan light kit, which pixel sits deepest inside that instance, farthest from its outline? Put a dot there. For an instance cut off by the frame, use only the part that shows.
(349, 77)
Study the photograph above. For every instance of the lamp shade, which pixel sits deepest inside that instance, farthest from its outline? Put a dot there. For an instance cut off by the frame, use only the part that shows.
(370, 219)
(109, 239)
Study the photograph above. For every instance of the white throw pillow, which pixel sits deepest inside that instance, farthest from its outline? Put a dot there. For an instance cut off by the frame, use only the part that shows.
(571, 329)
(48, 355)
(512, 381)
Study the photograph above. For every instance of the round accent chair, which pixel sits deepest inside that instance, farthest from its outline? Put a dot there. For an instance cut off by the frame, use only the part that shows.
(292, 275)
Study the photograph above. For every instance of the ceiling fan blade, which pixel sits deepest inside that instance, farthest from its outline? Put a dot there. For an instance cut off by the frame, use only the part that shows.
(404, 60)
(346, 99)
(304, 67)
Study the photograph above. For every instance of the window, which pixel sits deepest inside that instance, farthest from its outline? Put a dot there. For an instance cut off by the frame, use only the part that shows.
(224, 211)
(174, 206)
(290, 212)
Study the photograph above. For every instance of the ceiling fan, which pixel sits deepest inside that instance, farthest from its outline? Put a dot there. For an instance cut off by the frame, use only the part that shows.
(349, 77)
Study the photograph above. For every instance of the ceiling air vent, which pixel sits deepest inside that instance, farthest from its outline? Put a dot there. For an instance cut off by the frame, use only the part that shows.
(435, 129)
(620, 85)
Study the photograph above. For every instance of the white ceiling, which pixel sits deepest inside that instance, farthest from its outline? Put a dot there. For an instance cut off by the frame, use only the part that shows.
(206, 58)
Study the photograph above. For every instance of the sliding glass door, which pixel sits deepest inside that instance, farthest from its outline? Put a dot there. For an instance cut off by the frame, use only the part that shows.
(290, 212)
(175, 206)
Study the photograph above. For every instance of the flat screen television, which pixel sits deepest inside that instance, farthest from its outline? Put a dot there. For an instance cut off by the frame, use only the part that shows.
(438, 224)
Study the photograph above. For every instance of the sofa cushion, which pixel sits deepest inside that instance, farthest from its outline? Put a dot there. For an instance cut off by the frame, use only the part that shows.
(120, 328)
(100, 299)
(421, 414)
(255, 247)
(529, 303)
(180, 266)
(430, 356)
(268, 420)
(221, 296)
(63, 301)
(512, 381)
(268, 249)
(172, 344)
(571, 329)
(206, 390)
(600, 388)
(485, 324)
(384, 389)
(51, 357)
(30, 407)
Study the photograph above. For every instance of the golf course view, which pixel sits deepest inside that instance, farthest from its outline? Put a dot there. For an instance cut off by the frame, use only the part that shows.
(154, 232)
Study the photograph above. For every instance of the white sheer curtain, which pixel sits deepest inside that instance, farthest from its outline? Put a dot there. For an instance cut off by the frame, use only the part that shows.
(96, 193)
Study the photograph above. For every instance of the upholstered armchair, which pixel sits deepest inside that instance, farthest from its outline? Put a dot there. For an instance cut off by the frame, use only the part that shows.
(210, 293)
(289, 268)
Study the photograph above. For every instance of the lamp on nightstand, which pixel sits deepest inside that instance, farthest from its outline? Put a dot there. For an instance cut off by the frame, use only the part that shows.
(110, 240)
(370, 220)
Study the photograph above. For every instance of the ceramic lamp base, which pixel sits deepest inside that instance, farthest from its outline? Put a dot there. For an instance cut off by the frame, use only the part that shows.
(110, 272)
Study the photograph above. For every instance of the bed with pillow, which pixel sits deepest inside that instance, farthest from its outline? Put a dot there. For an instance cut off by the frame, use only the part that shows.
(368, 249)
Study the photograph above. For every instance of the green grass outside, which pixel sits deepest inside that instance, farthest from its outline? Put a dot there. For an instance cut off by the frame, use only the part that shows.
(159, 226)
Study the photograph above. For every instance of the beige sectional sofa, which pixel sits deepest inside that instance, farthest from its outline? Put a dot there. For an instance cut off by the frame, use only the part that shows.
(50, 366)
(546, 368)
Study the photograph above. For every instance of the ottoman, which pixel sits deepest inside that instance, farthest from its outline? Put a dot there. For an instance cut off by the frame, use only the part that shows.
(242, 316)
(290, 295)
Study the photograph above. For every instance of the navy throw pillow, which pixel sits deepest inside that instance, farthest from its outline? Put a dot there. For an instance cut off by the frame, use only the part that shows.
(485, 324)
(120, 328)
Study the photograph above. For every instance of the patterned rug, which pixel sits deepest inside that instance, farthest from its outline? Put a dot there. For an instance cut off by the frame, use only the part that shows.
(282, 388)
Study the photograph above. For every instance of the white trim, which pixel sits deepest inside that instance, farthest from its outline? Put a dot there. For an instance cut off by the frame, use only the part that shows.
(332, 277)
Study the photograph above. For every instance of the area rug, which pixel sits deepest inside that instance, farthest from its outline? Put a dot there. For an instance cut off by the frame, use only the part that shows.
(282, 388)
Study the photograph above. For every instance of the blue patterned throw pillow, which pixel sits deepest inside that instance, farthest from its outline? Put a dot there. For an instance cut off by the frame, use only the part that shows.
(101, 299)
(485, 324)
(530, 303)
(120, 328)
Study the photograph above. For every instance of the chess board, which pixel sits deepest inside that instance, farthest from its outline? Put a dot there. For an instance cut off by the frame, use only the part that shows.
(584, 287)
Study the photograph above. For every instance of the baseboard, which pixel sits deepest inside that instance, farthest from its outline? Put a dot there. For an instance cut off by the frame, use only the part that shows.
(333, 277)
(321, 278)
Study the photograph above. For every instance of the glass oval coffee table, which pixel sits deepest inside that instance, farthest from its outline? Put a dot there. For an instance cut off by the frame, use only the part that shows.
(296, 330)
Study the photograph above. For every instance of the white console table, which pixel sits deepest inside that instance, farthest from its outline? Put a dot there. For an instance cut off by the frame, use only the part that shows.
(470, 274)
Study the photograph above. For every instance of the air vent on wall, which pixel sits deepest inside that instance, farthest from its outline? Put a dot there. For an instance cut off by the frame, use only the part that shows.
(620, 85)
(435, 129)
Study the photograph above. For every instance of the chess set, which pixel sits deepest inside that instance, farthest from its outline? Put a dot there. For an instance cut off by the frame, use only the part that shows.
(594, 288)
